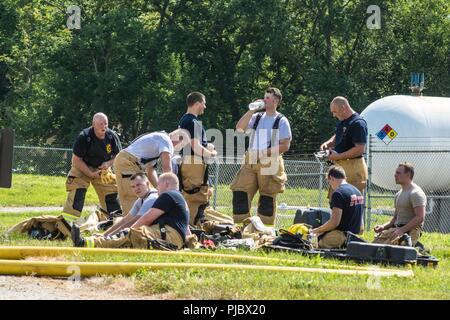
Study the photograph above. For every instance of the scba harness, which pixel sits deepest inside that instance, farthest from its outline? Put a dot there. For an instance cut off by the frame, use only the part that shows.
(276, 126)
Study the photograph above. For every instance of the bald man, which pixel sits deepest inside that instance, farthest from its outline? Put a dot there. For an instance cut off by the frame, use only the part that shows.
(94, 150)
(348, 144)
(167, 220)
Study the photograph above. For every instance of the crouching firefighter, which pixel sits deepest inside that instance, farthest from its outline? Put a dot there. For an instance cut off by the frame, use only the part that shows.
(263, 167)
(193, 170)
(93, 154)
(166, 222)
(142, 155)
(346, 211)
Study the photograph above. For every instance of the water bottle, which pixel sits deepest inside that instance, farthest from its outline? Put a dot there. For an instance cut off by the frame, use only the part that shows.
(256, 105)
(314, 240)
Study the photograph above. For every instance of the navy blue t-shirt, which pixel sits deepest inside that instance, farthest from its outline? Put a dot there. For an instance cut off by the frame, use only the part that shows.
(175, 209)
(94, 151)
(350, 200)
(191, 123)
(349, 132)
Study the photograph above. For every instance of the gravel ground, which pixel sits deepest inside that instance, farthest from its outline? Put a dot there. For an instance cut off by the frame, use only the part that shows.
(41, 288)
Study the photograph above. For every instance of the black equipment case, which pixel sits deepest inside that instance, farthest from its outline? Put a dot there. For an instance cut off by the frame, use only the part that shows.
(315, 217)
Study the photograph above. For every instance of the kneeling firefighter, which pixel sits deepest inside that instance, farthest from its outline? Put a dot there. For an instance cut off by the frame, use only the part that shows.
(193, 171)
(263, 168)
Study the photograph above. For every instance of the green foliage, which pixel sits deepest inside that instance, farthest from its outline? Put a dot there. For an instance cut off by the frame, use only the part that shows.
(137, 60)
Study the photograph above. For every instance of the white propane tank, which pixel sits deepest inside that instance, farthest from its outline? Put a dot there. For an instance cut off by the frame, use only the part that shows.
(414, 123)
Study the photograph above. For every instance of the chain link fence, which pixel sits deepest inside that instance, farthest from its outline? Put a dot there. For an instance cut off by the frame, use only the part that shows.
(429, 157)
(306, 185)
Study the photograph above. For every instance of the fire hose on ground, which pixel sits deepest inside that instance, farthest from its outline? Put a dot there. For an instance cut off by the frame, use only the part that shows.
(11, 263)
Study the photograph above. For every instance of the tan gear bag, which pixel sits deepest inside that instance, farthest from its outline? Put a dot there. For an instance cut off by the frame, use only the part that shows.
(44, 227)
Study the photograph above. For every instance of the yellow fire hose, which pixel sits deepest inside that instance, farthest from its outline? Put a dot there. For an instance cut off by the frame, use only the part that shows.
(29, 267)
(86, 269)
(17, 253)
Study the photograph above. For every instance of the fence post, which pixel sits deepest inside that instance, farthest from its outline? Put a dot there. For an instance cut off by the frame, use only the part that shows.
(368, 208)
(320, 182)
(216, 182)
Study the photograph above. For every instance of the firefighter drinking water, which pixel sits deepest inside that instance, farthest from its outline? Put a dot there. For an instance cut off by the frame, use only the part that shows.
(263, 168)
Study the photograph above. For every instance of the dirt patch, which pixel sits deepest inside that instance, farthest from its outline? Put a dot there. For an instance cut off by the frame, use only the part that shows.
(96, 288)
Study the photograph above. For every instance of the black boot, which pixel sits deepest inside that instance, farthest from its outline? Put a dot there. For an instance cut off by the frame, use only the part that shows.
(78, 240)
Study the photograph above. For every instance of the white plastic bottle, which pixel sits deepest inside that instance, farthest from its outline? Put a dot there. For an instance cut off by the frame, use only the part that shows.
(256, 105)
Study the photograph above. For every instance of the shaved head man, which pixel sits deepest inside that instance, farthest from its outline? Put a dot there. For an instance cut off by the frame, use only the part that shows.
(93, 152)
(347, 146)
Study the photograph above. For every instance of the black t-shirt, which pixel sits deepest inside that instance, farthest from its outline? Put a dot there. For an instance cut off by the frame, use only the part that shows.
(349, 132)
(175, 209)
(94, 151)
(350, 200)
(191, 123)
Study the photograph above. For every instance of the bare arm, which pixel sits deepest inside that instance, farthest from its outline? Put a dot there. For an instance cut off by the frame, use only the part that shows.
(284, 146)
(78, 163)
(166, 162)
(356, 151)
(107, 164)
(331, 224)
(126, 222)
(416, 221)
(201, 150)
(390, 224)
(148, 218)
(152, 176)
(242, 124)
(329, 144)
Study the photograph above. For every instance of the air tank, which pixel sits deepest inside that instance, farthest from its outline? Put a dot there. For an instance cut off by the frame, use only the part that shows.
(415, 129)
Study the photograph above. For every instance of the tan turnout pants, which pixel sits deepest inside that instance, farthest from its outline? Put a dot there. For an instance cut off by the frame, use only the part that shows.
(77, 184)
(385, 236)
(333, 239)
(136, 238)
(356, 172)
(126, 165)
(269, 177)
(192, 172)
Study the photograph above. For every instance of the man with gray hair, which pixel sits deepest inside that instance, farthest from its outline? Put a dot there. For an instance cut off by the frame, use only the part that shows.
(348, 144)
(93, 154)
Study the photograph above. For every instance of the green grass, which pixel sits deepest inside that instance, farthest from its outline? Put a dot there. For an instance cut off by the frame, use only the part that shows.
(428, 283)
(35, 191)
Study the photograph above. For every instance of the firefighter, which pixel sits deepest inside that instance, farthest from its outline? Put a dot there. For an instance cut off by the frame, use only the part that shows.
(146, 198)
(193, 171)
(347, 211)
(142, 156)
(409, 216)
(93, 154)
(167, 220)
(348, 144)
(263, 167)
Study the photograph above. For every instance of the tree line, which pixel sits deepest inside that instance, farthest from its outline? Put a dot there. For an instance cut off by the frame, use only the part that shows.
(136, 60)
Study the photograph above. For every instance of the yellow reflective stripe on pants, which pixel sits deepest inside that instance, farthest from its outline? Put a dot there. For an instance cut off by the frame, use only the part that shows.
(70, 217)
(90, 242)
